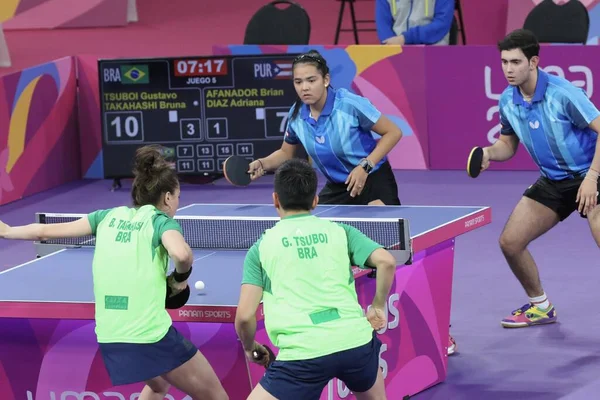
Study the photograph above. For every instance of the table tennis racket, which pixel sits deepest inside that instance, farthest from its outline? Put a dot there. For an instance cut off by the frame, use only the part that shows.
(177, 301)
(474, 162)
(235, 169)
(270, 354)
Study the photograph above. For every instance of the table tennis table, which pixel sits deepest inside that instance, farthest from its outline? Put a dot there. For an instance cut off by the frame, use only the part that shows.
(415, 338)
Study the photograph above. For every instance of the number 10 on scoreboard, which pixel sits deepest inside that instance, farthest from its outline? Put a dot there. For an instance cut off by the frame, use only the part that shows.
(124, 127)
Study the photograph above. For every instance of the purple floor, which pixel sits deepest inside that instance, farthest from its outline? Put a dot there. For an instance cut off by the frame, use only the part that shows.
(559, 361)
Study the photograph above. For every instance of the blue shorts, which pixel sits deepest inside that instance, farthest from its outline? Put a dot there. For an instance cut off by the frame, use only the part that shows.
(132, 363)
(305, 380)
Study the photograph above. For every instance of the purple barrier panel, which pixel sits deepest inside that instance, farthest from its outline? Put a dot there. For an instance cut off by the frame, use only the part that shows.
(413, 356)
(59, 359)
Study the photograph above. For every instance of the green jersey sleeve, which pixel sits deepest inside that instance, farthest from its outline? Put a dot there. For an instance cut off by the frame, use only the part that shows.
(96, 217)
(253, 272)
(360, 246)
(161, 224)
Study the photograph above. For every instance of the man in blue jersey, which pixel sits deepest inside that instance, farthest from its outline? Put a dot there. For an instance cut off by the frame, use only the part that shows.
(558, 125)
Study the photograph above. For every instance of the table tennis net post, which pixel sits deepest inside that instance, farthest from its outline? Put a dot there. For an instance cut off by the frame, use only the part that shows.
(221, 233)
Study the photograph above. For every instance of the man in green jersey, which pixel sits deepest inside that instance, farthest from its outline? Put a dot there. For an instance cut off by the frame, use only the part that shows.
(136, 337)
(302, 270)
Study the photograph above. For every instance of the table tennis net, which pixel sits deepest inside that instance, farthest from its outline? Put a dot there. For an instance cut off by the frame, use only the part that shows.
(240, 233)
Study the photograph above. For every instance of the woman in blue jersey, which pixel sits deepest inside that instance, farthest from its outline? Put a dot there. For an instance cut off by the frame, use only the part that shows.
(133, 246)
(334, 126)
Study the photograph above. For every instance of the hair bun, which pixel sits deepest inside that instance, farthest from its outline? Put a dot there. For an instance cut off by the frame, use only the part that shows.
(149, 160)
(154, 176)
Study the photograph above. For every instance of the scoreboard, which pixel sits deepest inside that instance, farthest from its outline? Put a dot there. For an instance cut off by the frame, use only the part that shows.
(200, 109)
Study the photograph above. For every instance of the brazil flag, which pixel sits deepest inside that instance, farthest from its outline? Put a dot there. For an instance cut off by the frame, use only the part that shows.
(131, 74)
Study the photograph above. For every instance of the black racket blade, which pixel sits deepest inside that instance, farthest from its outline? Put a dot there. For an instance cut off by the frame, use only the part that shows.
(177, 301)
(235, 169)
(474, 162)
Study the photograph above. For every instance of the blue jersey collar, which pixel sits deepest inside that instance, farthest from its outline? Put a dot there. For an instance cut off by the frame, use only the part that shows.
(327, 109)
(540, 89)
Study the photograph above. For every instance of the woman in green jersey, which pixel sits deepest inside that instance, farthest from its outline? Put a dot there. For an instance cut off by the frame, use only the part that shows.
(135, 334)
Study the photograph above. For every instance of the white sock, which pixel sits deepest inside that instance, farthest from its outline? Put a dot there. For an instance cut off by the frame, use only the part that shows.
(540, 301)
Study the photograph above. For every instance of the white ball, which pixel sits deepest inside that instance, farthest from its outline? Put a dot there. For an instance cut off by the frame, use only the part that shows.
(199, 285)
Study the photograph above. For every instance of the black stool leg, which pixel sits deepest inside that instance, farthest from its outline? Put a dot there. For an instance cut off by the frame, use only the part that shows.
(354, 27)
(462, 23)
(339, 24)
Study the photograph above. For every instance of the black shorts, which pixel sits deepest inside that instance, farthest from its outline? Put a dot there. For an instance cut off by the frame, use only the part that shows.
(301, 380)
(128, 363)
(380, 185)
(559, 196)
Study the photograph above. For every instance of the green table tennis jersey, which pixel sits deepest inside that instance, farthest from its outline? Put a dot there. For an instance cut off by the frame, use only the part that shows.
(129, 270)
(304, 265)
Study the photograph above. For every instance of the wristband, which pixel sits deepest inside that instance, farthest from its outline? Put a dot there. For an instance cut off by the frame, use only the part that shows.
(181, 277)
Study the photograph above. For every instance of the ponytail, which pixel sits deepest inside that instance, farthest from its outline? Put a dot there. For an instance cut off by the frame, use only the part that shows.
(297, 105)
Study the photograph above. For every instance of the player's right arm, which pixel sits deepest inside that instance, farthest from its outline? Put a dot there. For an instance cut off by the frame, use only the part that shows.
(505, 147)
(287, 151)
(77, 228)
(251, 293)
(273, 161)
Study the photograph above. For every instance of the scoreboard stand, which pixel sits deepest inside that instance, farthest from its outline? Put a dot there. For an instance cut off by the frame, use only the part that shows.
(116, 184)
(200, 110)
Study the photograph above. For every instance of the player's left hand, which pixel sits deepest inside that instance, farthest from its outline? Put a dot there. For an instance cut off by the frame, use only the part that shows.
(356, 181)
(3, 229)
(587, 196)
(263, 354)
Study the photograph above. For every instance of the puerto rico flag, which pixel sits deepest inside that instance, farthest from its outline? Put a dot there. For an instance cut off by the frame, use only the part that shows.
(282, 69)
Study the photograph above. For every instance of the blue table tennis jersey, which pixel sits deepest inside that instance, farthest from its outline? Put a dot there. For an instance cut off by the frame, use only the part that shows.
(340, 137)
(554, 127)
